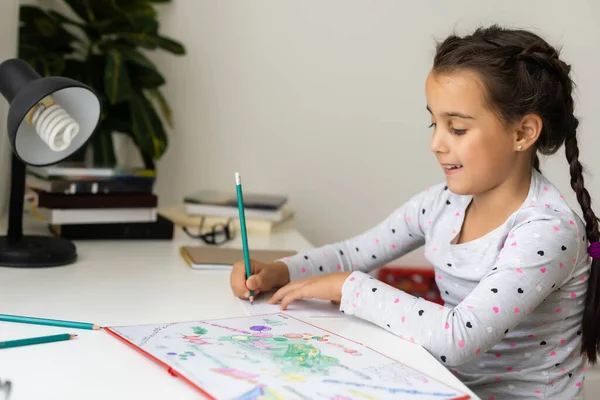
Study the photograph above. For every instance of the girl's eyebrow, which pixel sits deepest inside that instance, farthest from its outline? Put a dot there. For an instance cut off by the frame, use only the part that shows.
(453, 114)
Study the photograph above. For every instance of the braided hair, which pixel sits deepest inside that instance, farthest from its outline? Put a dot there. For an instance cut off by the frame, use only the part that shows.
(523, 74)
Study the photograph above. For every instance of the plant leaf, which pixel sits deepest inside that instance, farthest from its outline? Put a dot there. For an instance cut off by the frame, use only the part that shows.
(134, 56)
(150, 41)
(165, 109)
(130, 23)
(83, 8)
(117, 85)
(40, 29)
(170, 45)
(103, 148)
(118, 118)
(141, 39)
(74, 69)
(145, 78)
(148, 130)
(64, 20)
(109, 10)
(94, 72)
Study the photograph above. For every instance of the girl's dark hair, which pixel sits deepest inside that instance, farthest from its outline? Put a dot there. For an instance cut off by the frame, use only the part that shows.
(523, 74)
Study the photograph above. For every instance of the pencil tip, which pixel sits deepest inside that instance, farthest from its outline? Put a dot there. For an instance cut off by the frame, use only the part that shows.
(251, 299)
(97, 327)
(73, 336)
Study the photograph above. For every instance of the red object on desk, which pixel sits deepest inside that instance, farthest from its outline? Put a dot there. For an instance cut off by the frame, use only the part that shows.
(416, 281)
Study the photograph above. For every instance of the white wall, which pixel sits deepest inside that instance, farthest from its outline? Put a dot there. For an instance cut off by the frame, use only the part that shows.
(325, 100)
(9, 21)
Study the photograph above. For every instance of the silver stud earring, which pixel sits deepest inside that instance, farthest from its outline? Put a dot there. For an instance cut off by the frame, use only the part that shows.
(519, 147)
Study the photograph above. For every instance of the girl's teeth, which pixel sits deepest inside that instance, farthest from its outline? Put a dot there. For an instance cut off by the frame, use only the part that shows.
(453, 166)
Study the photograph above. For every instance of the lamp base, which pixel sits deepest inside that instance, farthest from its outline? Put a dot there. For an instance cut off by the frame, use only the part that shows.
(36, 252)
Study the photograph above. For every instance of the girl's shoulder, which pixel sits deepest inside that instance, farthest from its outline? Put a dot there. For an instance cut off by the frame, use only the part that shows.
(548, 213)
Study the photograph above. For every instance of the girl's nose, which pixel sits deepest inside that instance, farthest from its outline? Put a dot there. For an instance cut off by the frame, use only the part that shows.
(438, 143)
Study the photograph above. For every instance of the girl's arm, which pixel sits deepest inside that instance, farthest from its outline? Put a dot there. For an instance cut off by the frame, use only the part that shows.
(537, 260)
(393, 237)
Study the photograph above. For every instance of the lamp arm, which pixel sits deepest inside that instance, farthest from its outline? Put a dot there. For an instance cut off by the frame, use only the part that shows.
(17, 197)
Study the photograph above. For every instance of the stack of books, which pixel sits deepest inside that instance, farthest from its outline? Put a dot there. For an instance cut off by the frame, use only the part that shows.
(80, 202)
(264, 213)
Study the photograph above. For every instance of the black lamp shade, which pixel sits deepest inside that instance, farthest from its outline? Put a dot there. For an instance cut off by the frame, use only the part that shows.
(23, 88)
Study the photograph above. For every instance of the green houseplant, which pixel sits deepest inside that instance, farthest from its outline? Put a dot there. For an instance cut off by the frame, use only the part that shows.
(102, 44)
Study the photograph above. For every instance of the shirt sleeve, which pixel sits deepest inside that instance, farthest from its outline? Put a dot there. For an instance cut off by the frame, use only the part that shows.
(399, 233)
(537, 257)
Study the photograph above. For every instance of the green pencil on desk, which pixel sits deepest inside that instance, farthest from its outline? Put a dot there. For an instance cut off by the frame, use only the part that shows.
(36, 340)
(48, 322)
(240, 200)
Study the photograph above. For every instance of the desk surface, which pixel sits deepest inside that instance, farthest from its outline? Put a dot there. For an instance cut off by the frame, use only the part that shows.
(136, 282)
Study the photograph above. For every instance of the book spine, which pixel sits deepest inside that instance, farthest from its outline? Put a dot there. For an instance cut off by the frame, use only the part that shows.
(163, 229)
(93, 187)
(89, 201)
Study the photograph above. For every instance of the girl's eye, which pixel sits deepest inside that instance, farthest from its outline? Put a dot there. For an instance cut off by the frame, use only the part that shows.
(432, 124)
(459, 131)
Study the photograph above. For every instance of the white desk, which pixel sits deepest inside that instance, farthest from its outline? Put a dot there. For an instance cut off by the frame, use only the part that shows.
(129, 282)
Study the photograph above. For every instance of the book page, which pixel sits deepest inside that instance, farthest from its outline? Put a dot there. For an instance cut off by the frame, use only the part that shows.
(279, 357)
(303, 308)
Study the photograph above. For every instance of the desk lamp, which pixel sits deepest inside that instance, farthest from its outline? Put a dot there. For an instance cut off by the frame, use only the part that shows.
(49, 119)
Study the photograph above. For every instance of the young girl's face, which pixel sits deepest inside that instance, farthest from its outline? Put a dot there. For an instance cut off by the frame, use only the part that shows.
(475, 149)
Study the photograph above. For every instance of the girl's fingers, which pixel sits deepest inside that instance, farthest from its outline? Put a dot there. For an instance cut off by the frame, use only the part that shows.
(279, 294)
(282, 292)
(291, 297)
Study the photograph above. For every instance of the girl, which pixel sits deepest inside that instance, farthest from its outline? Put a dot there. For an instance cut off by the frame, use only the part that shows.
(511, 258)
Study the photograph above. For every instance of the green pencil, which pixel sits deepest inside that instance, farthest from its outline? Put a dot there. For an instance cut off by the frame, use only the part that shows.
(49, 322)
(240, 200)
(36, 340)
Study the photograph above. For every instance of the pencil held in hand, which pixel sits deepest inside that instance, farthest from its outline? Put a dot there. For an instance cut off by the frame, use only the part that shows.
(36, 340)
(240, 201)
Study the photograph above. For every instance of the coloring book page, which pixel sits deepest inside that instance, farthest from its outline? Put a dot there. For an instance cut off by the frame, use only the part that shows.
(303, 308)
(276, 357)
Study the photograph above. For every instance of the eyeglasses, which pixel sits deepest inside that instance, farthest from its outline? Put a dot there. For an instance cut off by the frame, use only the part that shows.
(215, 235)
(5, 388)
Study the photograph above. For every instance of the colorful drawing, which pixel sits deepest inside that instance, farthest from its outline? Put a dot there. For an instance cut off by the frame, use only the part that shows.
(273, 322)
(236, 373)
(198, 330)
(257, 358)
(261, 392)
(182, 356)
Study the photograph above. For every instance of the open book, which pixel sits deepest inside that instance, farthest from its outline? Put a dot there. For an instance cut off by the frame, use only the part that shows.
(276, 356)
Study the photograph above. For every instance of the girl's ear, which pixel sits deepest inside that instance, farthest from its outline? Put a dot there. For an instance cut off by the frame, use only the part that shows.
(527, 131)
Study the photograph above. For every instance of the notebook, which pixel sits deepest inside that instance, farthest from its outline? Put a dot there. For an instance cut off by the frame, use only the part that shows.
(210, 257)
(277, 356)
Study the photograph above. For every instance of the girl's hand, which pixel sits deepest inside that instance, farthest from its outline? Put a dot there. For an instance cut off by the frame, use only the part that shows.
(264, 278)
(325, 287)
